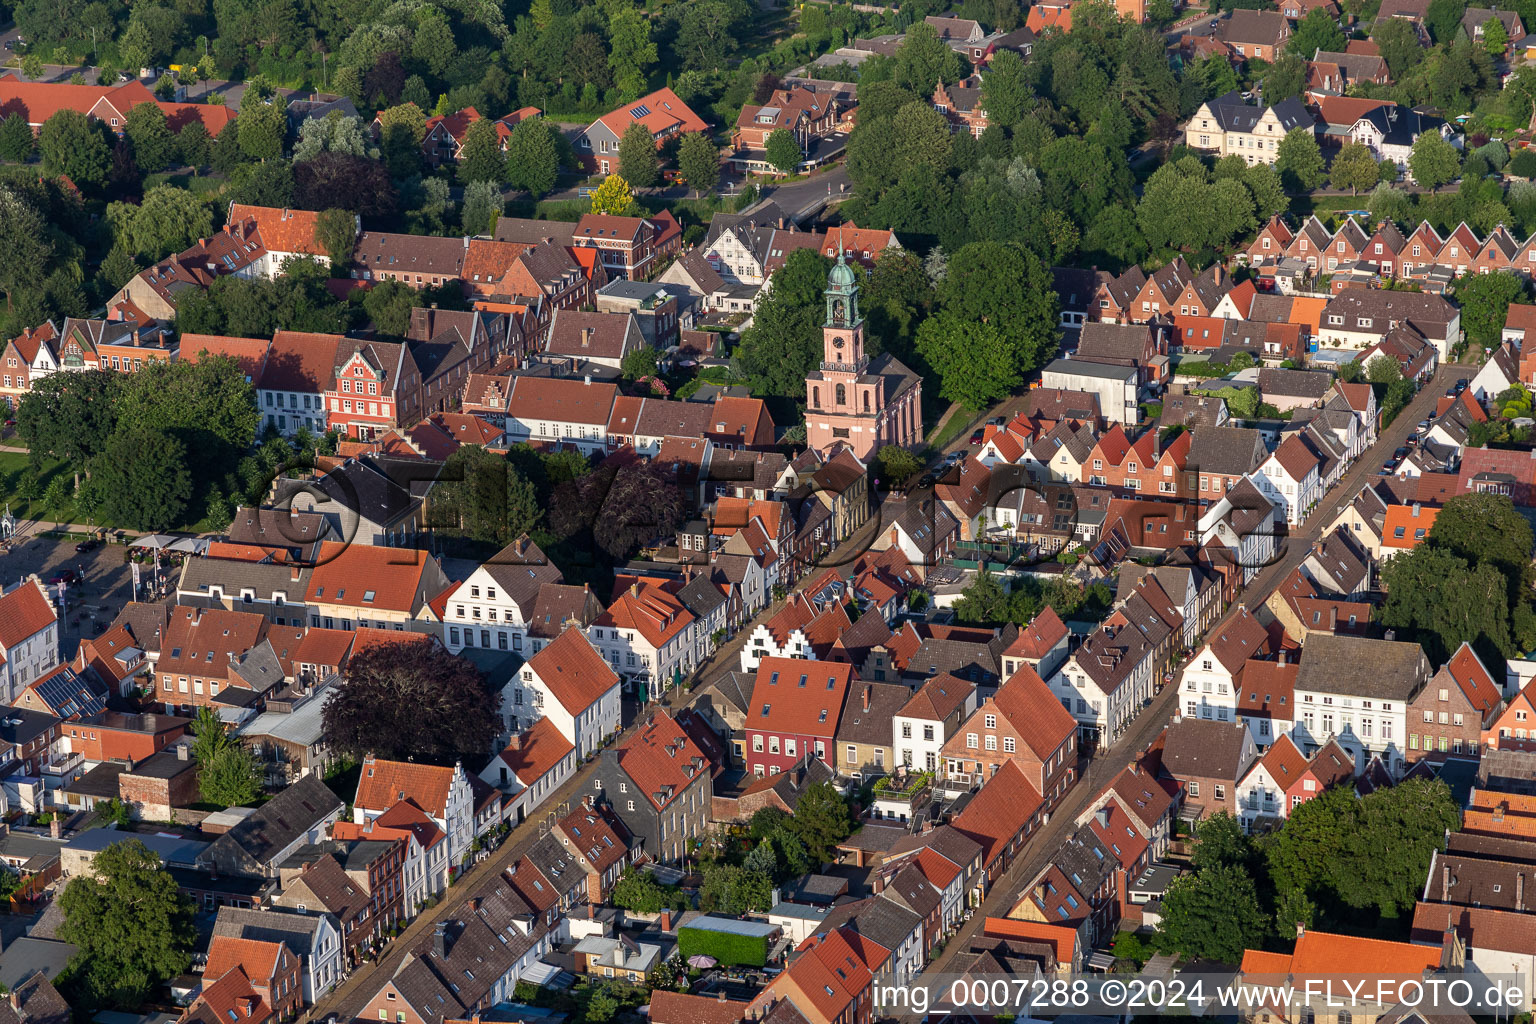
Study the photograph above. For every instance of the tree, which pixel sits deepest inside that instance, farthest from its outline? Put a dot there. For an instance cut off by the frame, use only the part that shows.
(16, 140)
(895, 464)
(482, 159)
(1212, 914)
(638, 892)
(631, 52)
(74, 145)
(984, 602)
(1285, 78)
(412, 699)
(783, 151)
(1319, 30)
(974, 361)
(227, 772)
(1354, 168)
(1485, 300)
(699, 162)
(638, 163)
(336, 231)
(642, 362)
(733, 890)
(641, 506)
(482, 205)
(1299, 161)
(144, 480)
(132, 926)
(70, 416)
(1495, 37)
(784, 342)
(193, 146)
(1433, 161)
(168, 220)
(1447, 602)
(612, 196)
(1399, 45)
(263, 127)
(150, 134)
(1222, 842)
(821, 820)
(1005, 91)
(482, 495)
(1484, 529)
(347, 182)
(533, 158)
(923, 60)
(1009, 289)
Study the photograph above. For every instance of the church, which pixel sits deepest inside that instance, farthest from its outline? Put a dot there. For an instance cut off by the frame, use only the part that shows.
(851, 400)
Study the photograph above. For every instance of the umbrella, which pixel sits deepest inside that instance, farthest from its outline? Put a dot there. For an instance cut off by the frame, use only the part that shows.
(701, 961)
(154, 541)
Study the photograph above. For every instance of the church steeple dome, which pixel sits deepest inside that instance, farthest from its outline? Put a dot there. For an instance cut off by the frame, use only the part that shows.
(842, 292)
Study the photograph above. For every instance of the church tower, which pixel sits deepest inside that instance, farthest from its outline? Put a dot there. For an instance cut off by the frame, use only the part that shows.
(849, 401)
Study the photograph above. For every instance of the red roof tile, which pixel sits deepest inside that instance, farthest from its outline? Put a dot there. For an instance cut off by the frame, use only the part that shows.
(577, 676)
(1000, 811)
(662, 759)
(385, 783)
(24, 612)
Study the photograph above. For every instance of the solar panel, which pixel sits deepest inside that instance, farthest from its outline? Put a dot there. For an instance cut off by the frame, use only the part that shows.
(640, 111)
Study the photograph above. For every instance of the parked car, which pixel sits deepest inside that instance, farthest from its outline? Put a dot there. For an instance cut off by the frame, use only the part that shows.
(87, 545)
(1461, 384)
(1400, 454)
(67, 576)
(1388, 466)
(977, 435)
(1423, 427)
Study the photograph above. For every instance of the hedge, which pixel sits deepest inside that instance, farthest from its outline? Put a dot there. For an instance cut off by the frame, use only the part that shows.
(728, 948)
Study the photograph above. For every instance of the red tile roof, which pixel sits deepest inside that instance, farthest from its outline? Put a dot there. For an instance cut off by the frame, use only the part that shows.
(1320, 954)
(385, 783)
(1035, 713)
(1411, 519)
(347, 573)
(257, 959)
(536, 752)
(281, 230)
(249, 353)
(1000, 811)
(793, 697)
(681, 1008)
(24, 612)
(643, 604)
(1037, 639)
(659, 111)
(662, 759)
(1062, 939)
(577, 676)
(299, 361)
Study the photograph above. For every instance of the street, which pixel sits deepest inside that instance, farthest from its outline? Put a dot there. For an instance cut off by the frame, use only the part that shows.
(1111, 760)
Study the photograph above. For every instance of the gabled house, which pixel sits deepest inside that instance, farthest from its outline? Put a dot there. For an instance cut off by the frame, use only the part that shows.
(1023, 723)
(1449, 717)
(1284, 778)
(568, 682)
(658, 783)
(1209, 759)
(661, 112)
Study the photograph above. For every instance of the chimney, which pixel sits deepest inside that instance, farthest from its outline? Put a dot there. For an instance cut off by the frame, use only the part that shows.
(1283, 655)
(440, 939)
(867, 689)
(56, 827)
(586, 337)
(1519, 890)
(1301, 929)
(181, 751)
(15, 1002)
(1445, 883)
(666, 919)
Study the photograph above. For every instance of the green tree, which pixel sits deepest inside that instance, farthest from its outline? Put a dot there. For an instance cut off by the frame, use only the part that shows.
(1221, 842)
(1005, 91)
(227, 772)
(1354, 168)
(1008, 289)
(263, 127)
(822, 820)
(482, 159)
(638, 892)
(783, 344)
(612, 196)
(1485, 300)
(1319, 30)
(699, 162)
(144, 478)
(132, 926)
(1484, 529)
(1399, 45)
(783, 151)
(168, 220)
(73, 145)
(336, 231)
(193, 146)
(482, 206)
(1212, 914)
(974, 360)
(923, 60)
(894, 464)
(734, 890)
(484, 496)
(984, 602)
(70, 416)
(1433, 161)
(154, 146)
(642, 362)
(1299, 161)
(1285, 78)
(638, 163)
(16, 139)
(533, 158)
(631, 52)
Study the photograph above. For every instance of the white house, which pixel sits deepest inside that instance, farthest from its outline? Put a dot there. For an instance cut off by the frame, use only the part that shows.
(443, 794)
(285, 234)
(1244, 521)
(559, 409)
(1117, 387)
(646, 634)
(314, 938)
(1209, 688)
(1357, 690)
(29, 636)
(1291, 478)
(1498, 374)
(299, 369)
(494, 605)
(535, 764)
(1106, 681)
(569, 683)
(924, 723)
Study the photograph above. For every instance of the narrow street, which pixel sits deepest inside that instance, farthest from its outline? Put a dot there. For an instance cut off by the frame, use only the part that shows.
(1111, 760)
(348, 999)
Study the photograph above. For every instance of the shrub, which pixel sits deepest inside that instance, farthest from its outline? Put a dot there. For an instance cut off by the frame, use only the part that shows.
(726, 947)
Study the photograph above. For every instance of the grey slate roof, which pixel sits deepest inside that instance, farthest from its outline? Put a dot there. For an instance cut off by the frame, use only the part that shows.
(1230, 451)
(278, 822)
(1204, 748)
(1362, 667)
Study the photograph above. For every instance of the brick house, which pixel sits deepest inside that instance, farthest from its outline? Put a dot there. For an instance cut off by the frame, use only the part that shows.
(115, 736)
(200, 647)
(374, 388)
(271, 968)
(1000, 818)
(160, 783)
(796, 706)
(662, 113)
(1209, 758)
(1022, 723)
(1515, 726)
(601, 845)
(659, 784)
(1450, 716)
